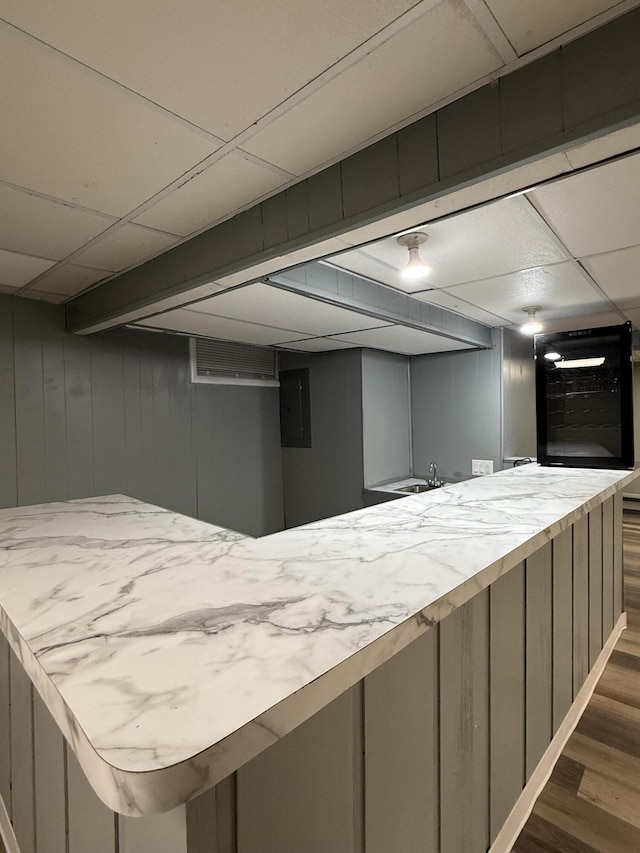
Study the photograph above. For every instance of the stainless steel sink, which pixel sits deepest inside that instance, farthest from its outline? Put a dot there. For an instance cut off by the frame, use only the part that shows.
(415, 489)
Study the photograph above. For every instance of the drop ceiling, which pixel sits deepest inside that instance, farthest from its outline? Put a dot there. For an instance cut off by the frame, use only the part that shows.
(124, 134)
(571, 247)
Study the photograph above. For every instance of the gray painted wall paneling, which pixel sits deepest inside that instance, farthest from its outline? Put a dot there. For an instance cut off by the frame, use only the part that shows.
(519, 395)
(539, 656)
(286, 804)
(163, 832)
(562, 626)
(595, 584)
(5, 725)
(50, 780)
(92, 826)
(456, 409)
(116, 413)
(22, 761)
(8, 462)
(580, 603)
(507, 695)
(401, 749)
(386, 417)
(608, 618)
(239, 457)
(618, 588)
(464, 735)
(327, 478)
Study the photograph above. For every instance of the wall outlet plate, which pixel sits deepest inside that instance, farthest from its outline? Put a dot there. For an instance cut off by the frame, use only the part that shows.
(481, 466)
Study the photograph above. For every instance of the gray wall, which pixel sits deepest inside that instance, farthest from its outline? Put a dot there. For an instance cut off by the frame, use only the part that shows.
(386, 415)
(237, 432)
(116, 413)
(456, 409)
(519, 394)
(326, 478)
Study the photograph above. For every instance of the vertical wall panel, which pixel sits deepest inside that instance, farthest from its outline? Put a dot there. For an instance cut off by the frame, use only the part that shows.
(562, 626)
(507, 697)
(77, 375)
(5, 725)
(133, 439)
(580, 603)
(401, 749)
(8, 470)
(55, 415)
(539, 656)
(334, 462)
(607, 569)
(30, 438)
(386, 418)
(618, 603)
(595, 584)
(183, 462)
(22, 770)
(147, 421)
(107, 371)
(50, 782)
(162, 833)
(201, 822)
(162, 448)
(464, 758)
(456, 409)
(92, 826)
(301, 794)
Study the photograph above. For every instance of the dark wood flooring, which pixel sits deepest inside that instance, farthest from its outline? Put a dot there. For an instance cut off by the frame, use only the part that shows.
(591, 803)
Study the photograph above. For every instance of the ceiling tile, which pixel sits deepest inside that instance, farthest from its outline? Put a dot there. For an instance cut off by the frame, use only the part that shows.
(455, 303)
(492, 240)
(270, 306)
(48, 229)
(560, 290)
(583, 321)
(595, 211)
(125, 246)
(69, 134)
(617, 274)
(402, 339)
(17, 270)
(68, 280)
(528, 25)
(218, 191)
(205, 64)
(206, 325)
(441, 52)
(317, 345)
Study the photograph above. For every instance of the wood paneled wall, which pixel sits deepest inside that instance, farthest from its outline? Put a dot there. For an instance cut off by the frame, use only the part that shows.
(116, 413)
(429, 752)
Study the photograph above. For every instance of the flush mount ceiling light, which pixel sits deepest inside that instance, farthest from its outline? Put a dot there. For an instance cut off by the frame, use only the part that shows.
(532, 326)
(416, 267)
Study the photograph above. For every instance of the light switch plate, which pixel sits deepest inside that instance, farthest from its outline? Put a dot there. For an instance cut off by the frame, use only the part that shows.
(481, 466)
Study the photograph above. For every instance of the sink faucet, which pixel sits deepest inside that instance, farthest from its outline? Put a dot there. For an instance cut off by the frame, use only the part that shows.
(435, 483)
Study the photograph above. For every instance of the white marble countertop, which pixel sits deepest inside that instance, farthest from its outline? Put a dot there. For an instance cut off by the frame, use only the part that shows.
(171, 651)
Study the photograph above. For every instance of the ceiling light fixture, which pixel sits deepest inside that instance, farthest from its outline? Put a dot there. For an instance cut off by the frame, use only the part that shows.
(553, 356)
(532, 326)
(416, 267)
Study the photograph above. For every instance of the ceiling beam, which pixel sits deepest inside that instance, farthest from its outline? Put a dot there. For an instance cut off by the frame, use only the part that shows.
(580, 91)
(348, 290)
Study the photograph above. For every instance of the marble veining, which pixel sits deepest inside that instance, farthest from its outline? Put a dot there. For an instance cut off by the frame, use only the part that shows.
(171, 651)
